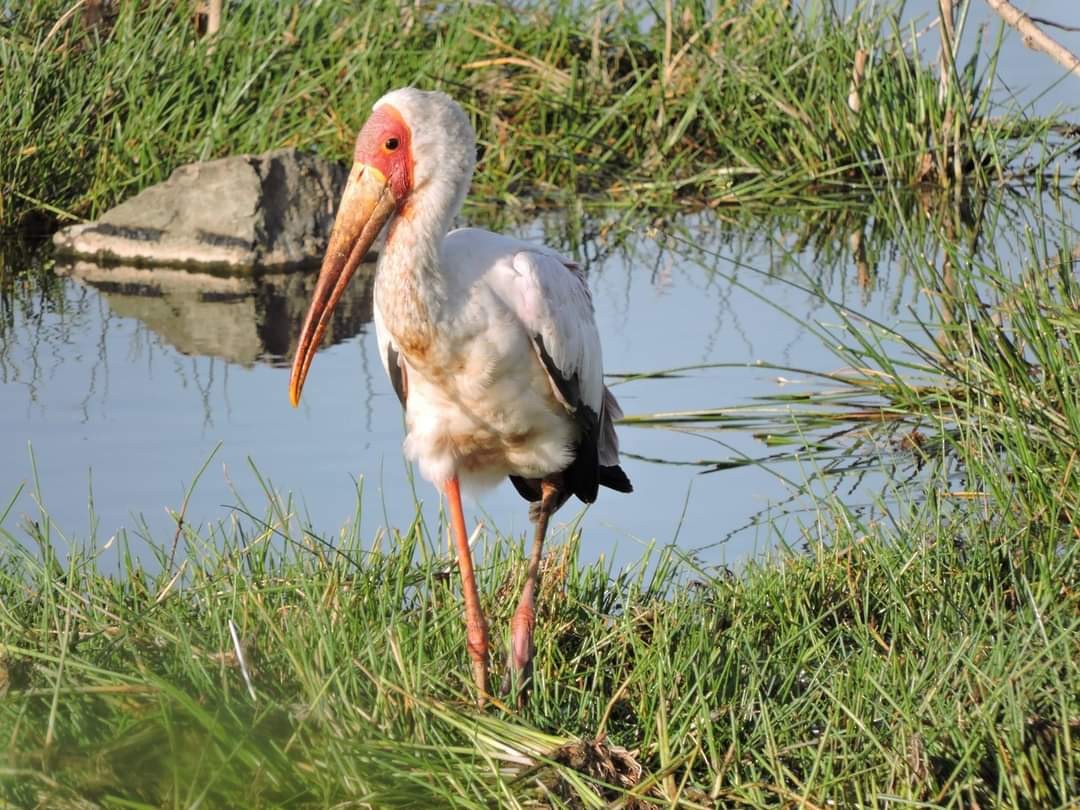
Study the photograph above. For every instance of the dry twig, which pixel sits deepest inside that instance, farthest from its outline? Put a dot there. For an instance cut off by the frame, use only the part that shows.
(213, 17)
(947, 16)
(1033, 37)
(858, 72)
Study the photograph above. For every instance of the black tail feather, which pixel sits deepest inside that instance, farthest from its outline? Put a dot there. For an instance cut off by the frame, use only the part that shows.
(582, 477)
(528, 488)
(614, 478)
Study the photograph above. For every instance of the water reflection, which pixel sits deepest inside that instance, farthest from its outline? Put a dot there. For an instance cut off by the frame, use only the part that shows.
(238, 318)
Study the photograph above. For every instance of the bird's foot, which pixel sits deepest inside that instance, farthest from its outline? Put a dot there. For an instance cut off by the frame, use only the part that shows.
(519, 669)
(517, 682)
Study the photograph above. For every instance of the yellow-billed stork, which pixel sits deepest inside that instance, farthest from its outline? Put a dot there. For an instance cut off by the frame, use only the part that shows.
(489, 341)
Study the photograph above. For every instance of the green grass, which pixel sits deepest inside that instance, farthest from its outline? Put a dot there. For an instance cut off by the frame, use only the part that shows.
(924, 655)
(705, 105)
(930, 661)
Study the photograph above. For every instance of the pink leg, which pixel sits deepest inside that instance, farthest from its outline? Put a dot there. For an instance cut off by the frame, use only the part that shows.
(519, 667)
(476, 632)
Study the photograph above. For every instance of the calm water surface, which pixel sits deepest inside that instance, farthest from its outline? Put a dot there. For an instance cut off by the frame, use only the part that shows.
(124, 381)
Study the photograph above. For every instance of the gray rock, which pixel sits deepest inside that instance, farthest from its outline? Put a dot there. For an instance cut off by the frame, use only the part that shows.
(270, 211)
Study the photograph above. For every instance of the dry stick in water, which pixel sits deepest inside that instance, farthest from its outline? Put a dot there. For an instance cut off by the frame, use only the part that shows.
(213, 17)
(1052, 23)
(858, 72)
(1033, 37)
(947, 16)
(947, 12)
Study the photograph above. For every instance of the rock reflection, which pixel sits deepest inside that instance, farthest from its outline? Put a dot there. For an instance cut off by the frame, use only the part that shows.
(241, 319)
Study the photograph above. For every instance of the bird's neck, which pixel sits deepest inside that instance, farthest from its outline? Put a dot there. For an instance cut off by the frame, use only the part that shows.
(409, 284)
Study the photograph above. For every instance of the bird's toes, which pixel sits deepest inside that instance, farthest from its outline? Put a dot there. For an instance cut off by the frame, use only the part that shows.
(517, 681)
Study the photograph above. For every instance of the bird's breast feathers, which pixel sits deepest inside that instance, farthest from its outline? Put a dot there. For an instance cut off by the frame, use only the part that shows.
(481, 403)
(484, 440)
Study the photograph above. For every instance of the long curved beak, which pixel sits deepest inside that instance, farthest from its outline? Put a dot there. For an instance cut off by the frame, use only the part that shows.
(366, 205)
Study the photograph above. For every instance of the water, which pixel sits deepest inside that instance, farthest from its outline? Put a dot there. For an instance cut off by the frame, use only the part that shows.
(124, 382)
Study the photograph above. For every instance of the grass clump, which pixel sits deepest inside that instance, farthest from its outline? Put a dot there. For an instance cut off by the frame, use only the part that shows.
(983, 379)
(933, 661)
(699, 105)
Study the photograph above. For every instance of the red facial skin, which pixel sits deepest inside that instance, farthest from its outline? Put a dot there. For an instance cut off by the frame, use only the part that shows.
(373, 149)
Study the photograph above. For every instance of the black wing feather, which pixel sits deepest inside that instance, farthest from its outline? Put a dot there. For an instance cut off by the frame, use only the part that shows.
(582, 477)
(396, 370)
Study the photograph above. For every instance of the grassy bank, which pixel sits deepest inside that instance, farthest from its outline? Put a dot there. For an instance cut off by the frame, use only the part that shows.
(929, 662)
(713, 104)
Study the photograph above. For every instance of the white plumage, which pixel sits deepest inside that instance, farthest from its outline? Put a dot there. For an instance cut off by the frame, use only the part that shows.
(497, 413)
(490, 341)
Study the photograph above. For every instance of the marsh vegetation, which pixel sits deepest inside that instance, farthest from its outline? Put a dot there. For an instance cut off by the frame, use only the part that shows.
(923, 650)
(694, 105)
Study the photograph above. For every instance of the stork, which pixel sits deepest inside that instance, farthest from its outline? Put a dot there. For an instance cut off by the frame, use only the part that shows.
(490, 342)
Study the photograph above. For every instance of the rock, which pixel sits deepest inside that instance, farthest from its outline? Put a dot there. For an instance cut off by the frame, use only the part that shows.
(270, 211)
(244, 319)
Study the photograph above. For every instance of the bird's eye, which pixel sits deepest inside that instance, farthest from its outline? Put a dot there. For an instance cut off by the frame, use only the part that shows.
(391, 144)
